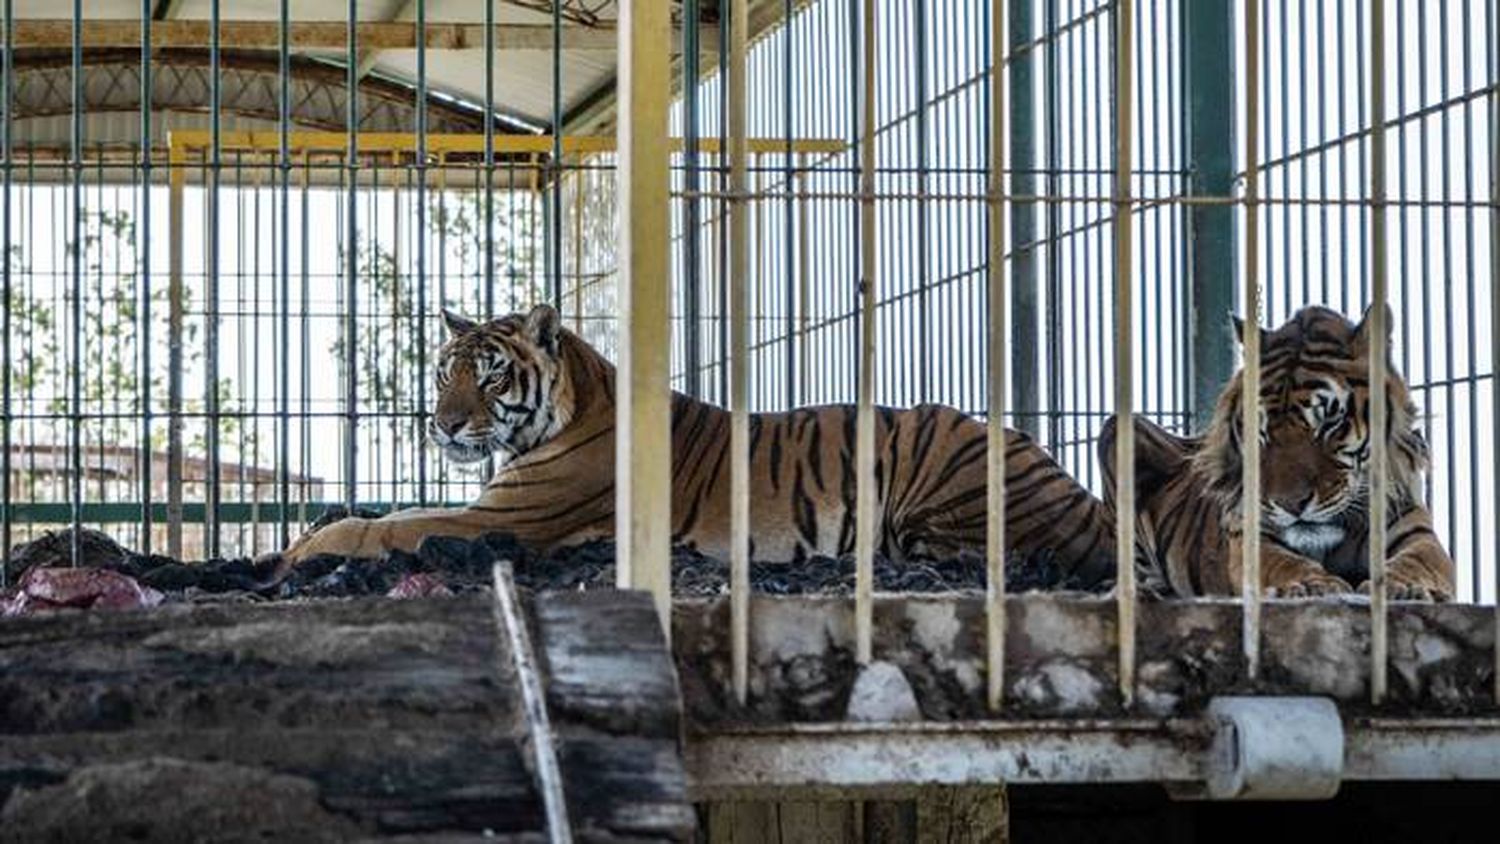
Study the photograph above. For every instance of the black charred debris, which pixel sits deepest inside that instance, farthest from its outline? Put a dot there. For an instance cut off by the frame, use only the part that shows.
(458, 565)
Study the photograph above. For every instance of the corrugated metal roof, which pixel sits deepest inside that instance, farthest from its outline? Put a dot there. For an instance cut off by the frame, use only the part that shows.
(523, 77)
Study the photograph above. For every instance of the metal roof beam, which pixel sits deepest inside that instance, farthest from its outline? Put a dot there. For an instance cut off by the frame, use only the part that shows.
(57, 33)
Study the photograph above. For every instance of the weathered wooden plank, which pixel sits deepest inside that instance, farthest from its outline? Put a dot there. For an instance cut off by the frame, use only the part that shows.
(612, 694)
(368, 718)
(606, 662)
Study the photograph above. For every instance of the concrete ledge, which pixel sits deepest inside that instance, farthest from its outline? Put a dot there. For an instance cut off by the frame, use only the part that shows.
(1060, 657)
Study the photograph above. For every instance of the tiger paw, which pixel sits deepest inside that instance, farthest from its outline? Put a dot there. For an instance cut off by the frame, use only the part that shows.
(1310, 584)
(352, 537)
(1400, 586)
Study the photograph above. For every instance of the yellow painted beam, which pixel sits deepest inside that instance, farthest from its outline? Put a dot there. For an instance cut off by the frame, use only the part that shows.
(643, 446)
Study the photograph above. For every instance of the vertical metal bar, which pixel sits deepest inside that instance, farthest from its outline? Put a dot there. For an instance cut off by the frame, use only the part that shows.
(284, 240)
(1124, 19)
(789, 295)
(1250, 341)
(1052, 115)
(692, 209)
(555, 229)
(1208, 80)
(211, 312)
(1377, 328)
(1025, 266)
(177, 179)
(351, 258)
(7, 167)
(995, 421)
(421, 246)
(865, 525)
(643, 450)
(739, 353)
(75, 405)
(143, 246)
(1492, 30)
(923, 280)
(487, 247)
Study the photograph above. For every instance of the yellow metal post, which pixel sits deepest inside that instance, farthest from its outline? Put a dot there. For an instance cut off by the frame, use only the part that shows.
(995, 454)
(1250, 342)
(739, 359)
(1124, 14)
(177, 179)
(643, 484)
(1376, 332)
(865, 525)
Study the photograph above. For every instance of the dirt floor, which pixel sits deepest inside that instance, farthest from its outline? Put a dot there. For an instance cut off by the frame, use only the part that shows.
(445, 564)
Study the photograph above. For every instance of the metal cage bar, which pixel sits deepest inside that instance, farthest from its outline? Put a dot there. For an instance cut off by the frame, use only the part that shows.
(1249, 421)
(1123, 18)
(738, 306)
(996, 394)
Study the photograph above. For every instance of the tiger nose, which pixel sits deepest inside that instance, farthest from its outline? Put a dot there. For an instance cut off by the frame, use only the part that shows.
(1296, 503)
(451, 423)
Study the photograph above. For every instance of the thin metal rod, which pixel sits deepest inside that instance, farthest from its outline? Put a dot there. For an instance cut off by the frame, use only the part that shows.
(143, 246)
(1492, 29)
(1377, 334)
(487, 246)
(997, 323)
(75, 405)
(284, 242)
(865, 524)
(1250, 341)
(555, 227)
(788, 249)
(7, 167)
(739, 356)
(1124, 22)
(692, 208)
(351, 262)
(421, 246)
(212, 488)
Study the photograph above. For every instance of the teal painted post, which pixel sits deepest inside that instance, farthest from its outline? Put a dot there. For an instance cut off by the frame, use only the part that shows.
(1209, 126)
(1025, 363)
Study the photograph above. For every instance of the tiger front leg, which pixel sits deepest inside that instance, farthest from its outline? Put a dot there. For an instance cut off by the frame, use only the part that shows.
(1417, 568)
(370, 538)
(1283, 572)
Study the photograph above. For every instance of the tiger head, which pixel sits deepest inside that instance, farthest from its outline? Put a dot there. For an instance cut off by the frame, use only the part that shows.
(1314, 432)
(502, 388)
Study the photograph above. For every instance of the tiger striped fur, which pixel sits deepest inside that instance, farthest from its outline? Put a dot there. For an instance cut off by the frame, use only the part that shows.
(541, 401)
(1315, 445)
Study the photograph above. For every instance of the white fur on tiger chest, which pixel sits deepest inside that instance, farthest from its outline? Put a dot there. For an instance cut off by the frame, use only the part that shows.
(1312, 539)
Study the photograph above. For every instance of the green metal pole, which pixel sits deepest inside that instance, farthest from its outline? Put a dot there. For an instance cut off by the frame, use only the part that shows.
(1208, 81)
(1024, 344)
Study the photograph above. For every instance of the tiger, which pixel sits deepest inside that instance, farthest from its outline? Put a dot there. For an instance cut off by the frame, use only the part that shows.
(538, 399)
(1315, 452)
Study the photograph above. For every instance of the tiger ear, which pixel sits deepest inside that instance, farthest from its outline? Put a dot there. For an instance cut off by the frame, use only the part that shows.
(457, 323)
(542, 326)
(1239, 329)
(1366, 328)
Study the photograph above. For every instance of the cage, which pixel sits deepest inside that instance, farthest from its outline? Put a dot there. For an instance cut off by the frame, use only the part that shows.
(227, 246)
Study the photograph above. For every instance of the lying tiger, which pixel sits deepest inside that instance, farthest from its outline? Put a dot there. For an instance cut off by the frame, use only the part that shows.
(1315, 445)
(541, 401)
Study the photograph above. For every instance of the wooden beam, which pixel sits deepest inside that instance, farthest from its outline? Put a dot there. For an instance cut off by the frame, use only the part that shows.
(57, 33)
(367, 58)
(643, 445)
